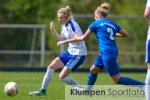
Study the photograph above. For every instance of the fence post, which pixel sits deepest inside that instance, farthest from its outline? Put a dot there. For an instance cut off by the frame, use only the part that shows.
(42, 47)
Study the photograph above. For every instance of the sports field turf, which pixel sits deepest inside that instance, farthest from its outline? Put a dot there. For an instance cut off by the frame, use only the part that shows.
(29, 81)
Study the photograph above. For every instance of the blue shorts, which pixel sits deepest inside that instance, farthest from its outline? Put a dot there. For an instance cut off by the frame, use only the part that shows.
(109, 63)
(147, 58)
(71, 61)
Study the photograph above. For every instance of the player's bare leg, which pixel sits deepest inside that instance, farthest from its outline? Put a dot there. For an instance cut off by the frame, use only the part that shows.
(55, 64)
(67, 79)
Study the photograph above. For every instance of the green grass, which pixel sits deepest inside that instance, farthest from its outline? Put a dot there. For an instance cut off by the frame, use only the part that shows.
(29, 81)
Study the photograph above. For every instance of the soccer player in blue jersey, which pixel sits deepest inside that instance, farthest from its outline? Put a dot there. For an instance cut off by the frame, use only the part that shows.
(147, 58)
(70, 59)
(106, 32)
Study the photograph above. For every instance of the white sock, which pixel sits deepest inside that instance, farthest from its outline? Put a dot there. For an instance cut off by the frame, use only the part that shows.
(71, 81)
(47, 78)
(147, 87)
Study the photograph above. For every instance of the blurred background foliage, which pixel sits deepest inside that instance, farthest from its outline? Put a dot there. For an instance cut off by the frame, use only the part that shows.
(45, 11)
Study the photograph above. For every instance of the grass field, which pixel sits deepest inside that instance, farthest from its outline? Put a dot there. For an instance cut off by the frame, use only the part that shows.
(29, 81)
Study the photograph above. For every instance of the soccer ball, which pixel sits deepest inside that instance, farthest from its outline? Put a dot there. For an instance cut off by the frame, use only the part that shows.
(11, 89)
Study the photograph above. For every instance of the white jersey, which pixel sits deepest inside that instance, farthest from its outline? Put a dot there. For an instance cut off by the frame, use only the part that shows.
(75, 48)
(148, 34)
(148, 3)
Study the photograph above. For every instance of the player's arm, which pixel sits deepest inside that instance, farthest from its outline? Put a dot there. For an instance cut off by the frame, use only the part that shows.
(54, 32)
(147, 14)
(122, 33)
(76, 38)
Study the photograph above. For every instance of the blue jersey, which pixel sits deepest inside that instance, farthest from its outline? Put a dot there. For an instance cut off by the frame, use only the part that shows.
(105, 31)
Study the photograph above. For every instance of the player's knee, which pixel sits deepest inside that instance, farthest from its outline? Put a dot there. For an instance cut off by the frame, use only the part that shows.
(93, 70)
(51, 67)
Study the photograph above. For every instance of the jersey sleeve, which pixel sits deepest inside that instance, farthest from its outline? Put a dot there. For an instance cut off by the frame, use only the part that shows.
(118, 28)
(75, 27)
(92, 27)
(78, 29)
(148, 3)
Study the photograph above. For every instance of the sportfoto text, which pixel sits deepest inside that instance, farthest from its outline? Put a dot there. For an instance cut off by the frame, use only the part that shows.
(108, 92)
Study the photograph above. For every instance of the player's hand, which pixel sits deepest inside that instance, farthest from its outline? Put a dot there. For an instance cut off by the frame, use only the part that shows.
(52, 26)
(59, 43)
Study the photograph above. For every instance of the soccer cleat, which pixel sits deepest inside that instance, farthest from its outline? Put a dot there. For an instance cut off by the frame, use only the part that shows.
(82, 91)
(79, 88)
(39, 92)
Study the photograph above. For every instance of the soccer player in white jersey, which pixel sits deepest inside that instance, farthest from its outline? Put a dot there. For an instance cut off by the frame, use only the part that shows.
(70, 59)
(147, 58)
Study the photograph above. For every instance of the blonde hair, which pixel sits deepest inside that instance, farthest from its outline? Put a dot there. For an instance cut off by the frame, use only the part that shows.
(103, 9)
(66, 11)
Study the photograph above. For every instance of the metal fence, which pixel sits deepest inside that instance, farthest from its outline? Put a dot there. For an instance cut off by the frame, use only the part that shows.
(31, 52)
(126, 58)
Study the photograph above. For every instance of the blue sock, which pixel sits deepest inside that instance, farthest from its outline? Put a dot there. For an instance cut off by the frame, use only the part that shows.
(129, 81)
(91, 80)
